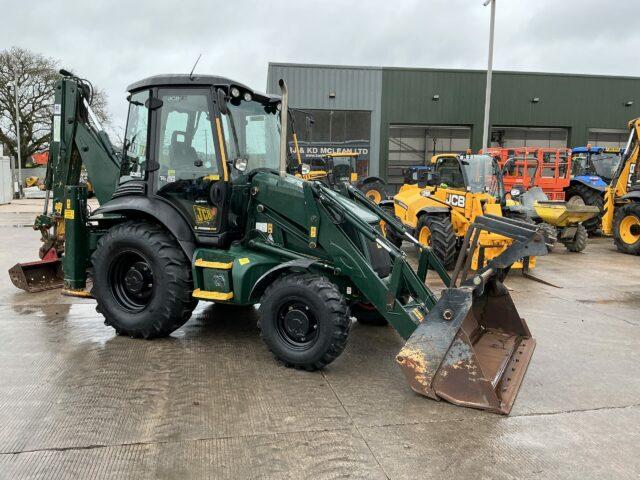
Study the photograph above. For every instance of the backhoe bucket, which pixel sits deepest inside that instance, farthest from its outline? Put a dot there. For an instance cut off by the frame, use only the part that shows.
(471, 349)
(45, 274)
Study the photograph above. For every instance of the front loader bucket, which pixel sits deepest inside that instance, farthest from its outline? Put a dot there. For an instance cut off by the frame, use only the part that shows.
(471, 350)
(37, 276)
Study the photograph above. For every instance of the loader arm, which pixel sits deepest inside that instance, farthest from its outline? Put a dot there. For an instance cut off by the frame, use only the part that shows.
(469, 346)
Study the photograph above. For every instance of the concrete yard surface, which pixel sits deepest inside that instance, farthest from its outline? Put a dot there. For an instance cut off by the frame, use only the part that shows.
(77, 401)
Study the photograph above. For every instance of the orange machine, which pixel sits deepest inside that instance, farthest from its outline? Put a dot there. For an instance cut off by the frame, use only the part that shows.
(526, 167)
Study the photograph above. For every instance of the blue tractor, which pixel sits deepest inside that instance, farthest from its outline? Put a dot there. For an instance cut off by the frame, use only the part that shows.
(592, 169)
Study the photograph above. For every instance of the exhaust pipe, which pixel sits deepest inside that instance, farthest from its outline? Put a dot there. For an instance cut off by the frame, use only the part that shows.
(283, 126)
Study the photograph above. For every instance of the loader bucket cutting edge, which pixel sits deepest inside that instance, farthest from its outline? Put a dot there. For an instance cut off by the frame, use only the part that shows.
(37, 276)
(470, 350)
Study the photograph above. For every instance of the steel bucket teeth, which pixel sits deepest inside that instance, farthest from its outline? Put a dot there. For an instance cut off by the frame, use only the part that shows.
(470, 350)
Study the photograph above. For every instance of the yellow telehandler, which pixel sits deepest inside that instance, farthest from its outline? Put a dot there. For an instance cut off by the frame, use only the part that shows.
(448, 197)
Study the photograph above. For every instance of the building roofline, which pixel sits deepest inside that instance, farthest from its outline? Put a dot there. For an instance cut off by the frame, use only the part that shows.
(449, 70)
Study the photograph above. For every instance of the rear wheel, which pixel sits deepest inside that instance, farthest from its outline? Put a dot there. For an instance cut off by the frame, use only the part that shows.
(142, 280)
(436, 231)
(579, 194)
(304, 320)
(626, 228)
(579, 242)
(374, 190)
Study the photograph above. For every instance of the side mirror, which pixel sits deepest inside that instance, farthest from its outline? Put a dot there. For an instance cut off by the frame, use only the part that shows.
(240, 164)
(428, 179)
(222, 101)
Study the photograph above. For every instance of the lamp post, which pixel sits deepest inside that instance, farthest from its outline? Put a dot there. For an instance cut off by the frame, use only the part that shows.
(15, 96)
(487, 98)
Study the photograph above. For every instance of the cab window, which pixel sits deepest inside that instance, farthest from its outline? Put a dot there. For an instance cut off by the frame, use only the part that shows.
(450, 173)
(135, 141)
(186, 144)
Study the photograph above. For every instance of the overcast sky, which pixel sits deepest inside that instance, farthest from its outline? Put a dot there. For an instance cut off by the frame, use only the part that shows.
(114, 43)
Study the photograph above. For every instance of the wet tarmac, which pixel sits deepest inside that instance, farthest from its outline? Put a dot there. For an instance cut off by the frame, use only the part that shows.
(77, 401)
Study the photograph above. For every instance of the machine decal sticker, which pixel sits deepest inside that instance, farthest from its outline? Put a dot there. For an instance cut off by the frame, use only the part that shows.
(204, 214)
(455, 200)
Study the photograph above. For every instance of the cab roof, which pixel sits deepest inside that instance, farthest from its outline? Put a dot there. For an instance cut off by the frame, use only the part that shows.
(596, 150)
(185, 80)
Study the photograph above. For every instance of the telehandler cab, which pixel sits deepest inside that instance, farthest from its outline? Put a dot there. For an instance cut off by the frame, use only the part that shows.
(200, 207)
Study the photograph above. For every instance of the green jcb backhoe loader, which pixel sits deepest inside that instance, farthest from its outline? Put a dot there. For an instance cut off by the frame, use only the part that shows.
(199, 207)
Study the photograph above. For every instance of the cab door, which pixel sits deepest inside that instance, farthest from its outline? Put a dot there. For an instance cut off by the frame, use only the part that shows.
(190, 174)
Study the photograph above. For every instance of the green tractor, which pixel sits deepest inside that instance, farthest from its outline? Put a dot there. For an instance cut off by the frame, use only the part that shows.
(199, 207)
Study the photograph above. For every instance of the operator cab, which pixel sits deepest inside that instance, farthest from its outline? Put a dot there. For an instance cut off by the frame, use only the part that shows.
(595, 161)
(341, 167)
(470, 173)
(188, 140)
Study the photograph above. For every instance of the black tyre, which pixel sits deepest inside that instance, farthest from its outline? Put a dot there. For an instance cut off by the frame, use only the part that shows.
(436, 231)
(367, 314)
(626, 228)
(304, 320)
(142, 280)
(374, 190)
(579, 241)
(583, 195)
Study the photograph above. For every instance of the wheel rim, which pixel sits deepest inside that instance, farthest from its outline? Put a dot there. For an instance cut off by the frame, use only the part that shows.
(630, 229)
(374, 195)
(424, 236)
(576, 200)
(131, 281)
(297, 325)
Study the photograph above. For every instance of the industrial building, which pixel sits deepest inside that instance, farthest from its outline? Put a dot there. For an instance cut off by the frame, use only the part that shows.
(396, 117)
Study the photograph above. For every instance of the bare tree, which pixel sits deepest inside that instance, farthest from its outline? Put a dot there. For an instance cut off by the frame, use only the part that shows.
(35, 76)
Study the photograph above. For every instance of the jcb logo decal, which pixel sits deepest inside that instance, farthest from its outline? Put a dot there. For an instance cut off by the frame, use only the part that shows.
(455, 200)
(204, 214)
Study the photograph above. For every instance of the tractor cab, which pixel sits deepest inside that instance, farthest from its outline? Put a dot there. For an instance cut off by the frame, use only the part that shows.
(189, 142)
(341, 167)
(598, 162)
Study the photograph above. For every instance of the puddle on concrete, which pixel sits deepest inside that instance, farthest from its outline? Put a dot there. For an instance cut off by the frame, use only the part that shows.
(627, 298)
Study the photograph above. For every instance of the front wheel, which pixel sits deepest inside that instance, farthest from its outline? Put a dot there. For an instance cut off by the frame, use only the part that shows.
(579, 241)
(304, 320)
(436, 232)
(626, 228)
(142, 280)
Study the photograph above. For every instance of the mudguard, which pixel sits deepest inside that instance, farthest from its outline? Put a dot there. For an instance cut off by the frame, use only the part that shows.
(433, 210)
(161, 211)
(591, 181)
(366, 180)
(270, 275)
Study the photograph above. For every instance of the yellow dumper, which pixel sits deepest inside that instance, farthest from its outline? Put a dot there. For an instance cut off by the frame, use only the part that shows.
(562, 221)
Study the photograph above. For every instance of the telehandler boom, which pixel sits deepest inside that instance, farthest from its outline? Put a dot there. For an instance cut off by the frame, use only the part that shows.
(202, 209)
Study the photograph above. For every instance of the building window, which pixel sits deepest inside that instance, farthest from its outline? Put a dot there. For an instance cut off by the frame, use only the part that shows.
(332, 131)
(411, 145)
(608, 138)
(508, 137)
